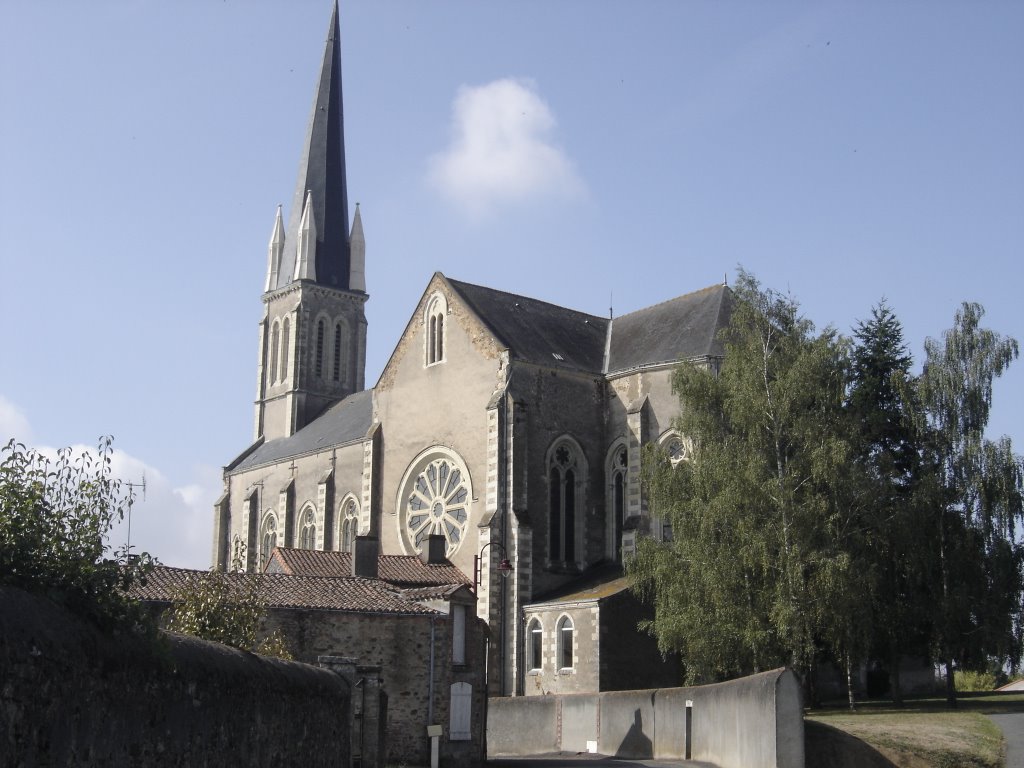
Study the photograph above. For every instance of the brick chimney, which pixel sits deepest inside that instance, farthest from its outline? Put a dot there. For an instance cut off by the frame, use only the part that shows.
(436, 549)
(364, 557)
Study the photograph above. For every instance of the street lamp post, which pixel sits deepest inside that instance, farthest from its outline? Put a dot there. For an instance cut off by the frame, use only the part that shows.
(504, 567)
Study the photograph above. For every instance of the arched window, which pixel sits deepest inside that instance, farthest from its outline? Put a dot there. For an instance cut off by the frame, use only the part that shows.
(436, 498)
(268, 536)
(534, 645)
(275, 340)
(565, 481)
(285, 343)
(349, 524)
(618, 474)
(338, 372)
(675, 445)
(319, 363)
(434, 322)
(565, 646)
(307, 532)
(678, 449)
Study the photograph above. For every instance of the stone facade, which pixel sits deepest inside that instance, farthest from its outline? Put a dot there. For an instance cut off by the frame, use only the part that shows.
(417, 672)
(510, 426)
(422, 650)
(587, 640)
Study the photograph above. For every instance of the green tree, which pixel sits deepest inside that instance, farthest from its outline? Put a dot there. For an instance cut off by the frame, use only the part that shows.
(228, 608)
(883, 413)
(55, 514)
(760, 512)
(975, 499)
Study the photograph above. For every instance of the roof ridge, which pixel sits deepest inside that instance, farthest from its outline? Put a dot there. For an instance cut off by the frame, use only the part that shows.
(674, 298)
(458, 283)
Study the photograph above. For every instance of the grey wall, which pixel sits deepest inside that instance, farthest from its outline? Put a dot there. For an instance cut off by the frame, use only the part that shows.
(73, 695)
(753, 722)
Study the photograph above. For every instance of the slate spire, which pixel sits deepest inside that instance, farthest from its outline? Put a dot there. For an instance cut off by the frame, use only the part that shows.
(322, 175)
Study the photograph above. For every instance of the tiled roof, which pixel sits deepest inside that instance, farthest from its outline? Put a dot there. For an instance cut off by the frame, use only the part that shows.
(278, 590)
(677, 329)
(399, 570)
(441, 592)
(536, 331)
(342, 423)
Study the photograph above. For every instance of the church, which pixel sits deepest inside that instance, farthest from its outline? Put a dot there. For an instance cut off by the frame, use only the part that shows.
(507, 430)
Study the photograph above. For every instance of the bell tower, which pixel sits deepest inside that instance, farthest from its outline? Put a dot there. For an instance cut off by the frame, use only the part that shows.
(313, 331)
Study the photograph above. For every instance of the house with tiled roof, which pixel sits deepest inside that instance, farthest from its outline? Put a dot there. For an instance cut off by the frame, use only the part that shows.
(508, 426)
(421, 649)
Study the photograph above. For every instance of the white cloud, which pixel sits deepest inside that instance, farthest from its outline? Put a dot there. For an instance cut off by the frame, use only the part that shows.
(501, 150)
(13, 423)
(174, 523)
(171, 521)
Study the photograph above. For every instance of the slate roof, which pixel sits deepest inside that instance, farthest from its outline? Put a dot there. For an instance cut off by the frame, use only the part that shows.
(677, 329)
(597, 583)
(347, 595)
(398, 570)
(342, 423)
(322, 172)
(536, 331)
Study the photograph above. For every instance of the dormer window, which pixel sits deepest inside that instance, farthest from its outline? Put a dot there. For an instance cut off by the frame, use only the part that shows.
(434, 322)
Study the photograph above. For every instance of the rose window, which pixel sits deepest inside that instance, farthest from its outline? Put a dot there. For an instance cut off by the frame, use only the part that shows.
(438, 502)
(677, 449)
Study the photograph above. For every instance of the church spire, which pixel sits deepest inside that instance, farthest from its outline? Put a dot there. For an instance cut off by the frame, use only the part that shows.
(357, 247)
(305, 249)
(274, 251)
(322, 173)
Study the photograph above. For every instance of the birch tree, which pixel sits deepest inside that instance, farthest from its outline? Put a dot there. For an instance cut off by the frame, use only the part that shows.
(976, 499)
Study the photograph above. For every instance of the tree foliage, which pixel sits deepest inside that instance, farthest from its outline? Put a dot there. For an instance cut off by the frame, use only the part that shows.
(226, 608)
(55, 514)
(975, 500)
(757, 509)
(833, 504)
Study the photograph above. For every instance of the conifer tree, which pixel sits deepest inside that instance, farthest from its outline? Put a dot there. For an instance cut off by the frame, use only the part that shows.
(882, 410)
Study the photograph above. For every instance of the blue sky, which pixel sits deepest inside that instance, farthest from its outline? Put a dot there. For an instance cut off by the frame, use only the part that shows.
(585, 153)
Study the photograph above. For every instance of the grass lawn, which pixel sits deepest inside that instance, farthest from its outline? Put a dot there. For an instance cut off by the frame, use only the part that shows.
(923, 733)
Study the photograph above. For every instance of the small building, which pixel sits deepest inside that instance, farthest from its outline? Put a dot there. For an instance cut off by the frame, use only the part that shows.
(585, 638)
(423, 647)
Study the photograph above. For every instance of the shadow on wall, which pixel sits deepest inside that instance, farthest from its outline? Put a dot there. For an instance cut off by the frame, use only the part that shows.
(828, 747)
(635, 743)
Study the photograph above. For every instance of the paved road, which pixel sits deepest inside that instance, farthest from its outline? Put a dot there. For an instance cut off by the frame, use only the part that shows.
(1012, 726)
(572, 760)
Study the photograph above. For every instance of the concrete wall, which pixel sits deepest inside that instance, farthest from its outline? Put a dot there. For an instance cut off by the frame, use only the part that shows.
(753, 722)
(72, 695)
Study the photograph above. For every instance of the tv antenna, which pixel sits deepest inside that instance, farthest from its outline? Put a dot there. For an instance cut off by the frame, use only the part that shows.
(131, 503)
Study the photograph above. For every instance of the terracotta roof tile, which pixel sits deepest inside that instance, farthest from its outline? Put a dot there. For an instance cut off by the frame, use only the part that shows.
(399, 570)
(346, 594)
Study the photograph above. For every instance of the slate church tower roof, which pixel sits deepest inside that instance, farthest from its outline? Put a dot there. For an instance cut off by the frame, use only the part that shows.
(321, 179)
